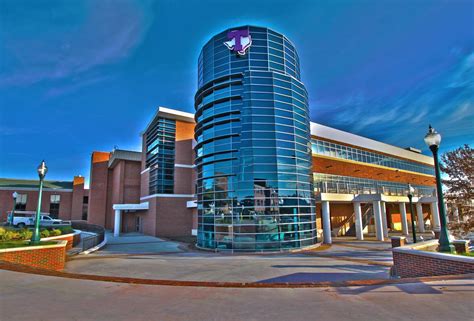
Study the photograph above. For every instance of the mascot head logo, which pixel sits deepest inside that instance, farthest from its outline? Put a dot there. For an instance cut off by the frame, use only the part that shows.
(239, 41)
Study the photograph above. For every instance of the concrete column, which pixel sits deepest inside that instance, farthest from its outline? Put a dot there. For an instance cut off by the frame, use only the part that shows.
(117, 223)
(384, 219)
(358, 221)
(403, 214)
(421, 221)
(435, 214)
(326, 222)
(378, 220)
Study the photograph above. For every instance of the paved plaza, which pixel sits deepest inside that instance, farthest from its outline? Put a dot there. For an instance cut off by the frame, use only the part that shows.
(152, 258)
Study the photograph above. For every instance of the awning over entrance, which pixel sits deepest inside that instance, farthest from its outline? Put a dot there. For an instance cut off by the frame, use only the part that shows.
(125, 207)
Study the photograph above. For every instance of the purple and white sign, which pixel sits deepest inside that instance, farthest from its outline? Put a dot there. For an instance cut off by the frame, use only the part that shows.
(239, 41)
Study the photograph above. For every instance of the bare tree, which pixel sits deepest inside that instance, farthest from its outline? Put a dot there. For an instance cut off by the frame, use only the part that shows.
(459, 166)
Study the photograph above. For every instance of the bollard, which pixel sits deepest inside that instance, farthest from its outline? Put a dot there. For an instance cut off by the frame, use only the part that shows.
(398, 241)
(461, 246)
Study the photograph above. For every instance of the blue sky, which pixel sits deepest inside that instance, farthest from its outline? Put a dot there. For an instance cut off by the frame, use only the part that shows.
(78, 76)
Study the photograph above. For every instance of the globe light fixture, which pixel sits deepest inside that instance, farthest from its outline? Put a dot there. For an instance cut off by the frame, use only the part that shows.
(12, 214)
(432, 140)
(411, 191)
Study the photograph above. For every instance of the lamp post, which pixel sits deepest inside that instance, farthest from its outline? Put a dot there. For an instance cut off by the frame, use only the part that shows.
(433, 139)
(411, 191)
(12, 215)
(42, 170)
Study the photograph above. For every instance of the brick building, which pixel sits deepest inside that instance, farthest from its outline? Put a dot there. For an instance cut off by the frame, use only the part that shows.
(248, 171)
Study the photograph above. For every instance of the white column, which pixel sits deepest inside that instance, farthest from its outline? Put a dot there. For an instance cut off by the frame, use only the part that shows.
(358, 221)
(384, 219)
(378, 220)
(326, 222)
(421, 221)
(435, 214)
(403, 215)
(117, 223)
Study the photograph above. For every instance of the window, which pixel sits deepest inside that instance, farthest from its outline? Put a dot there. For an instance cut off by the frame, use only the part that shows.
(54, 205)
(21, 202)
(85, 205)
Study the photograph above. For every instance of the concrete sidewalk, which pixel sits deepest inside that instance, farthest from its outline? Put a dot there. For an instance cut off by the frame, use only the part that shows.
(343, 261)
(135, 243)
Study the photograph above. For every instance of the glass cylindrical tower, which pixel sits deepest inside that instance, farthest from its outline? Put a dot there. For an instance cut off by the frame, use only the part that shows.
(253, 152)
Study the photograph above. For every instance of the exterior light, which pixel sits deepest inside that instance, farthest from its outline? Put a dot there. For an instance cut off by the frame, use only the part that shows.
(42, 170)
(433, 139)
(12, 214)
(411, 191)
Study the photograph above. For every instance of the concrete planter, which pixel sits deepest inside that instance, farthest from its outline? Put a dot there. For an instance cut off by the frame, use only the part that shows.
(71, 238)
(51, 257)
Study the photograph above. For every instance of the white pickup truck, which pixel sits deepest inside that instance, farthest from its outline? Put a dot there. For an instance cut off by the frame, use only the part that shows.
(26, 219)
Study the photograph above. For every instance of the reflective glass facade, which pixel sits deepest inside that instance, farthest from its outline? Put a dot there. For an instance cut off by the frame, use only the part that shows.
(327, 183)
(160, 146)
(321, 147)
(253, 155)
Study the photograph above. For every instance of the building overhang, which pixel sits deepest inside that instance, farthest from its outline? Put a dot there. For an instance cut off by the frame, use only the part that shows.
(131, 207)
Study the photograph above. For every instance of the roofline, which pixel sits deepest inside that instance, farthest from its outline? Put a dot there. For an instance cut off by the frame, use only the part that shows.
(323, 131)
(170, 114)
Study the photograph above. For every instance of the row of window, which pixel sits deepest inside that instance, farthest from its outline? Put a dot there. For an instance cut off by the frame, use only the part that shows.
(160, 142)
(327, 183)
(321, 147)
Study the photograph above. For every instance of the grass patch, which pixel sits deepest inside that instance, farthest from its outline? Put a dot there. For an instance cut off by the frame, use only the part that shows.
(14, 244)
(471, 254)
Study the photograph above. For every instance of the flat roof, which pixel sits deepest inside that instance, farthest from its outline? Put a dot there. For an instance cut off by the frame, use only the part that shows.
(121, 154)
(322, 131)
(12, 183)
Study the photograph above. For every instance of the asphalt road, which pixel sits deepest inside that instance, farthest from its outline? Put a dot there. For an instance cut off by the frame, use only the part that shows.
(34, 297)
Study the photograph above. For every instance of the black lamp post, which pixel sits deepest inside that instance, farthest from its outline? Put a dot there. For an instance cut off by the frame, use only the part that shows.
(12, 215)
(411, 191)
(42, 170)
(433, 139)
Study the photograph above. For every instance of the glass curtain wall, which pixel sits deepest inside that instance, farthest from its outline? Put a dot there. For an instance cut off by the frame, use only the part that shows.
(253, 152)
(160, 145)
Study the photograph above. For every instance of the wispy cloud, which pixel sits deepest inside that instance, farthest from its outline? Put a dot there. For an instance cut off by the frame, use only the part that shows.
(447, 101)
(108, 33)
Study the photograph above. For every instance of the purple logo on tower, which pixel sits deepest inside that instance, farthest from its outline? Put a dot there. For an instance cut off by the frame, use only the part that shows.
(239, 41)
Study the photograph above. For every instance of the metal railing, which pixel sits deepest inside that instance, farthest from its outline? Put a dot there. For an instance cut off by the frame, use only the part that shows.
(352, 188)
(93, 240)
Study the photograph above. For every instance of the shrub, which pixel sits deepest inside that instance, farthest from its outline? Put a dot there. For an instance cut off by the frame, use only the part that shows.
(25, 234)
(44, 233)
(55, 232)
(2, 233)
(66, 229)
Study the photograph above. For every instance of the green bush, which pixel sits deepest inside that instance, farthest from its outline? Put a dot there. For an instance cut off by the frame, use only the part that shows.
(44, 233)
(66, 229)
(25, 234)
(55, 232)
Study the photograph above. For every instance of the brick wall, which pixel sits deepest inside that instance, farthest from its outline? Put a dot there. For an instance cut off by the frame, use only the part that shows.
(406, 265)
(51, 257)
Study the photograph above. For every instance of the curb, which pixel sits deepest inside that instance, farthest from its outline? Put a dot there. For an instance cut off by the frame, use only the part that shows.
(127, 280)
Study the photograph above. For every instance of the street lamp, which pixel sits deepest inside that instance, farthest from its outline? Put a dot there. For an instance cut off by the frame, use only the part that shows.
(12, 215)
(411, 191)
(433, 139)
(42, 170)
